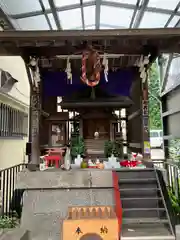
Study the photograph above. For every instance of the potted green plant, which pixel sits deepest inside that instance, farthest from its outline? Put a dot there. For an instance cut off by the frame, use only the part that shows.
(77, 146)
(108, 146)
(113, 147)
(117, 149)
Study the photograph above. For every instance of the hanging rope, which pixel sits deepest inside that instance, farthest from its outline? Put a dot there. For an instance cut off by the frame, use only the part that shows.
(68, 70)
(105, 64)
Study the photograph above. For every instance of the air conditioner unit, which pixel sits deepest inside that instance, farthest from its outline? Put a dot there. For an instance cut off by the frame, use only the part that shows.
(6, 81)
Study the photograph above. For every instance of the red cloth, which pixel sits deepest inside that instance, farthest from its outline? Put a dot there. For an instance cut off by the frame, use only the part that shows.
(127, 163)
(117, 199)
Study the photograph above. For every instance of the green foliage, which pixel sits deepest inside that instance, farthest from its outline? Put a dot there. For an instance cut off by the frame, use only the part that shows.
(108, 148)
(6, 222)
(175, 202)
(113, 147)
(77, 146)
(174, 149)
(154, 102)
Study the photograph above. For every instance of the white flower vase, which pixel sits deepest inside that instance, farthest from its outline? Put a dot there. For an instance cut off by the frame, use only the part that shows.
(78, 160)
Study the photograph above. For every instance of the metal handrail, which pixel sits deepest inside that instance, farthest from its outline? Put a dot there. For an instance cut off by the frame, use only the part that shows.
(164, 203)
(171, 174)
(7, 188)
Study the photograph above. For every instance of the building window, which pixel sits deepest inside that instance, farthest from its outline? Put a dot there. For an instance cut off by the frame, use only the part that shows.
(13, 123)
(57, 134)
(59, 109)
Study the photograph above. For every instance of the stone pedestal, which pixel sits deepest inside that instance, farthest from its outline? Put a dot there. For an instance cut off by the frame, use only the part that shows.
(48, 195)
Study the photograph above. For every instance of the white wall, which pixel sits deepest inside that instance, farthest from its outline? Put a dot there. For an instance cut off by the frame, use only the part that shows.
(15, 66)
(12, 151)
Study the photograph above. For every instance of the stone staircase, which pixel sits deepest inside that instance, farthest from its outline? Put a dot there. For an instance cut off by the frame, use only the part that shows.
(145, 215)
(95, 147)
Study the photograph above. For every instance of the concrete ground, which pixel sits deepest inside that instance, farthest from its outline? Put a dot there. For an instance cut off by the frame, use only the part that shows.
(157, 154)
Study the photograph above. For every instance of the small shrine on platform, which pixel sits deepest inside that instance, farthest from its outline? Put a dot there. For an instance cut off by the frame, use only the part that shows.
(90, 91)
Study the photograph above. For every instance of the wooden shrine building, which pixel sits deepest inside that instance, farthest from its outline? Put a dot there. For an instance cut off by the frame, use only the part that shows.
(60, 100)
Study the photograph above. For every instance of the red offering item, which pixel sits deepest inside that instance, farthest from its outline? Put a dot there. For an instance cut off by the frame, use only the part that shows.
(127, 163)
(134, 155)
(92, 167)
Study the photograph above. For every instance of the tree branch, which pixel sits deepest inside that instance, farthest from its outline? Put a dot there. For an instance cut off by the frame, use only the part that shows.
(156, 98)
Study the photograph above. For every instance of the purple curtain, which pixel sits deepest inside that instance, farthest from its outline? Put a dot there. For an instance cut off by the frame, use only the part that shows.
(56, 83)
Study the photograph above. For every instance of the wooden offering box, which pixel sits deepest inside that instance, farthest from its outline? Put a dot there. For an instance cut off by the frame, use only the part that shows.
(91, 222)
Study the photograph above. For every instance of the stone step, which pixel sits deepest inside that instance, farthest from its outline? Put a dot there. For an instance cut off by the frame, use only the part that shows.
(136, 173)
(144, 221)
(94, 144)
(143, 212)
(147, 231)
(139, 192)
(143, 202)
(137, 183)
(95, 140)
(137, 180)
(92, 148)
(101, 153)
(140, 184)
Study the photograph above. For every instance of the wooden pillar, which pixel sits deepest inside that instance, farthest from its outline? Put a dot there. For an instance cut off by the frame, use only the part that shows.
(145, 121)
(34, 114)
(30, 110)
(112, 137)
(134, 116)
(35, 119)
(81, 127)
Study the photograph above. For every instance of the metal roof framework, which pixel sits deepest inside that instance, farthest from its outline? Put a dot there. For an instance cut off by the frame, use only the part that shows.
(88, 14)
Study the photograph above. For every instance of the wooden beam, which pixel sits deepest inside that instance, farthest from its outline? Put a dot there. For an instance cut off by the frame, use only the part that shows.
(51, 43)
(53, 51)
(49, 51)
(89, 34)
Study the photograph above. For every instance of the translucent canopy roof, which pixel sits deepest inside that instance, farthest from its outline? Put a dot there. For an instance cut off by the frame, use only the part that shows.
(86, 14)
